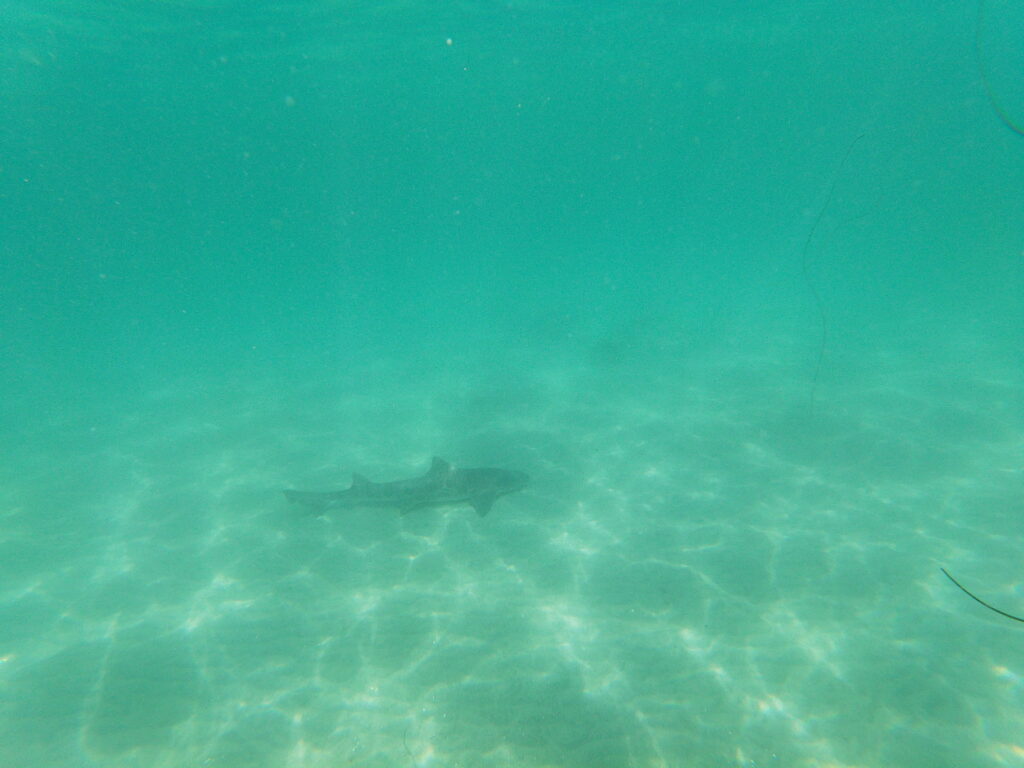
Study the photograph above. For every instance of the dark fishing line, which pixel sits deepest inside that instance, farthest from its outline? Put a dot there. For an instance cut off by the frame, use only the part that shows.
(819, 303)
(975, 597)
(979, 58)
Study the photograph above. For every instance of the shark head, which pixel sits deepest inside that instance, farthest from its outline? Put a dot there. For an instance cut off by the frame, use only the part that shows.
(514, 480)
(483, 486)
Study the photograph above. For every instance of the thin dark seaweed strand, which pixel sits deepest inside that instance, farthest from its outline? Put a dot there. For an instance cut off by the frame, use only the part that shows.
(975, 597)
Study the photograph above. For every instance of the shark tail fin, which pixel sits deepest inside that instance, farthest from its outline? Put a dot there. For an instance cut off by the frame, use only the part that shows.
(316, 501)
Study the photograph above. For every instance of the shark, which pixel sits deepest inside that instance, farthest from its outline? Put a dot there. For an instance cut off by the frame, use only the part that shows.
(442, 486)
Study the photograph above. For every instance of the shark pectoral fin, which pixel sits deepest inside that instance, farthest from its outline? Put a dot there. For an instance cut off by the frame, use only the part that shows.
(483, 504)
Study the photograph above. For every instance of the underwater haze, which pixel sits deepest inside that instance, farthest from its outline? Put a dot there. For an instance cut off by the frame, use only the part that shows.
(739, 285)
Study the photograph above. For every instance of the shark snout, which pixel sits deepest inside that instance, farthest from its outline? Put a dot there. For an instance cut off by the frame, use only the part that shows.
(518, 480)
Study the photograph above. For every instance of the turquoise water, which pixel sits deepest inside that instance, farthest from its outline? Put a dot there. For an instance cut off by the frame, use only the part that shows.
(741, 287)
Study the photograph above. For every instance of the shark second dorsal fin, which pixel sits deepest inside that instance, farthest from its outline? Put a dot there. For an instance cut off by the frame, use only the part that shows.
(359, 481)
(439, 466)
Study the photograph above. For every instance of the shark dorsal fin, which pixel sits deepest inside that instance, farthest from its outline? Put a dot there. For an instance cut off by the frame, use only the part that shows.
(439, 467)
(359, 481)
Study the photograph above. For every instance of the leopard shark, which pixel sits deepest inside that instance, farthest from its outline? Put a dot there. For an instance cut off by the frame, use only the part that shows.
(442, 486)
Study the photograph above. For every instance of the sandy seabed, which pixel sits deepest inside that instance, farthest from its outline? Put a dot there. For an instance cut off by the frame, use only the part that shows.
(712, 567)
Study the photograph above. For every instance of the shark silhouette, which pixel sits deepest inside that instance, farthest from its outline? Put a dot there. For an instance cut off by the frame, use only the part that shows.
(442, 486)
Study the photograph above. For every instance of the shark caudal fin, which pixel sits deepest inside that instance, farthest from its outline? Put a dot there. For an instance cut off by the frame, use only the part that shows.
(317, 501)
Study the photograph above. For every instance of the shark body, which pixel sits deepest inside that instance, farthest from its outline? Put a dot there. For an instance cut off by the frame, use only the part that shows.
(442, 486)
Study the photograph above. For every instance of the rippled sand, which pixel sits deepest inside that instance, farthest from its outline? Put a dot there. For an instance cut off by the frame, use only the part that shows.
(708, 570)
